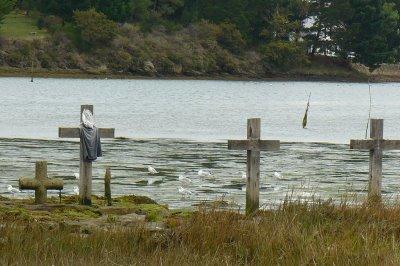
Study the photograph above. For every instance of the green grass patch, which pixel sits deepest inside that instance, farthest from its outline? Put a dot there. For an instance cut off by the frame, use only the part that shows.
(17, 25)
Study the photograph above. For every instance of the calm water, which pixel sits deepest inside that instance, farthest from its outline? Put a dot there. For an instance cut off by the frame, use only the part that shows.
(180, 127)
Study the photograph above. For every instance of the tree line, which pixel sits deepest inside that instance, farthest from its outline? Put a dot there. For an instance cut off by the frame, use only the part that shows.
(284, 31)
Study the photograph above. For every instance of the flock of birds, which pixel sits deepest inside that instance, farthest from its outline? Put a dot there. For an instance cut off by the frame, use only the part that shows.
(183, 189)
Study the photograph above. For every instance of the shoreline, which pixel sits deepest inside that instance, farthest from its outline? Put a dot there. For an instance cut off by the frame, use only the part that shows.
(353, 77)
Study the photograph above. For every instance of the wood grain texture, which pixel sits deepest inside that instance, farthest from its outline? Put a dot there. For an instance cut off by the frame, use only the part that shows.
(375, 160)
(73, 132)
(254, 145)
(253, 167)
(370, 144)
(107, 186)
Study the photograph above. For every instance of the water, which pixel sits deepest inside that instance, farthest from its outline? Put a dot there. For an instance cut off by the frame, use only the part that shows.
(180, 127)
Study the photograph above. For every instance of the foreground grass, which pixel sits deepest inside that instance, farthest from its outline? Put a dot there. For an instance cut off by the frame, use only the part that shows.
(18, 26)
(295, 233)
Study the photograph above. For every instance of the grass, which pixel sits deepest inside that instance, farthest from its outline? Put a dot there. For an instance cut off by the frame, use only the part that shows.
(18, 26)
(296, 233)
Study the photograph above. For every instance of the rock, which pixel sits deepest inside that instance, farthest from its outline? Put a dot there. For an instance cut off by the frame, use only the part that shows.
(131, 219)
(116, 210)
(149, 67)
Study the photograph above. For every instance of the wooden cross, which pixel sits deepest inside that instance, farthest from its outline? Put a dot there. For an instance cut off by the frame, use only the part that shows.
(376, 144)
(40, 183)
(85, 168)
(253, 145)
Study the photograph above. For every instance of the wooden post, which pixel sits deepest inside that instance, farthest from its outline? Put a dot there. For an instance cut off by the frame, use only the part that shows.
(253, 167)
(40, 183)
(253, 145)
(376, 145)
(107, 186)
(85, 168)
(375, 159)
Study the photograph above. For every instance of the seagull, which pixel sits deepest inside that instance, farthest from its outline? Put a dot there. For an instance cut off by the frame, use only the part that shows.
(76, 190)
(204, 173)
(76, 175)
(185, 192)
(278, 175)
(12, 190)
(244, 175)
(151, 181)
(152, 170)
(184, 179)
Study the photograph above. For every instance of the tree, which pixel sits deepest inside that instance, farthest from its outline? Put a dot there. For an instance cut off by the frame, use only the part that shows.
(367, 31)
(95, 28)
(61, 8)
(6, 6)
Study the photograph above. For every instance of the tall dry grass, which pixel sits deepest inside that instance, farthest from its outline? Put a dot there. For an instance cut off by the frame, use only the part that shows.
(294, 234)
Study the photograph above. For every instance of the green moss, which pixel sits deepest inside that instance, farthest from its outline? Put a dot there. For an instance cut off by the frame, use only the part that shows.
(153, 212)
(75, 214)
(133, 199)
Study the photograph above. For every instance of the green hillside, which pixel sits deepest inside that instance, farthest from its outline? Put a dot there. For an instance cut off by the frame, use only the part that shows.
(17, 25)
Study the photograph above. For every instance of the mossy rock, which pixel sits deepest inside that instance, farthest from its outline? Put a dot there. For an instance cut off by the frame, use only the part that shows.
(153, 212)
(133, 199)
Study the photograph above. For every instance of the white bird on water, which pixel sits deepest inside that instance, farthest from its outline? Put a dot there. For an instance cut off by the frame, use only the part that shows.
(152, 170)
(76, 175)
(278, 175)
(185, 192)
(76, 190)
(204, 173)
(151, 181)
(12, 189)
(244, 175)
(184, 180)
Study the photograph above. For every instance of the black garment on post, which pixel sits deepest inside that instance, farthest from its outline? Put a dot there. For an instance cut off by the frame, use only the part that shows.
(90, 141)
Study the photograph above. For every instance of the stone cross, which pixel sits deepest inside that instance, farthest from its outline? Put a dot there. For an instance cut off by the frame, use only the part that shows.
(253, 145)
(376, 144)
(85, 168)
(40, 183)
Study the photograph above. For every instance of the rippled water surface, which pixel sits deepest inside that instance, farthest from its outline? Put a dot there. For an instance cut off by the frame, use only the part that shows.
(180, 127)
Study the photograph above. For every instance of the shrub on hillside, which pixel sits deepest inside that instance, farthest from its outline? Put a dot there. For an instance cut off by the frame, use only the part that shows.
(94, 28)
(283, 55)
(52, 23)
(230, 38)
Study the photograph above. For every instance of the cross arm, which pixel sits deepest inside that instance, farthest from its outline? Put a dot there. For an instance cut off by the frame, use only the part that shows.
(33, 183)
(370, 144)
(73, 132)
(256, 145)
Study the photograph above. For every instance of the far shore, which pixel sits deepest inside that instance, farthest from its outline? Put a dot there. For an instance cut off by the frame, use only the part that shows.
(351, 76)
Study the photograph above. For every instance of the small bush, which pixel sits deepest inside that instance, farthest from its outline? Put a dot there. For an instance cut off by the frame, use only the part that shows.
(230, 38)
(94, 27)
(283, 55)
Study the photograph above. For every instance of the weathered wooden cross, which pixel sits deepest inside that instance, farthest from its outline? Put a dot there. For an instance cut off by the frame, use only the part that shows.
(253, 145)
(40, 183)
(85, 168)
(376, 144)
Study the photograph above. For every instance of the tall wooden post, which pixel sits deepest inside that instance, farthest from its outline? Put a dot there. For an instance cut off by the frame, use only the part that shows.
(253, 166)
(375, 159)
(85, 170)
(253, 145)
(376, 145)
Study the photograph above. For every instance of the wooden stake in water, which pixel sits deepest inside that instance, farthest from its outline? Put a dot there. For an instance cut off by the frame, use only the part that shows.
(376, 144)
(305, 118)
(107, 186)
(253, 145)
(85, 168)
